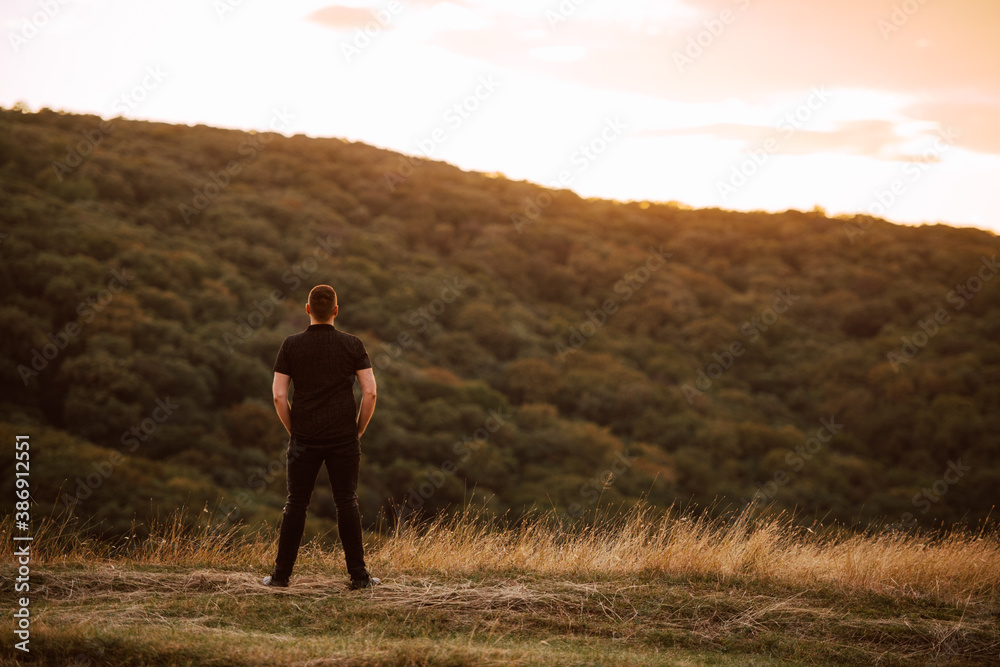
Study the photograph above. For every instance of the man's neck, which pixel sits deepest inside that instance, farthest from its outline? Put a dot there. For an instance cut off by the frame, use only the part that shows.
(312, 322)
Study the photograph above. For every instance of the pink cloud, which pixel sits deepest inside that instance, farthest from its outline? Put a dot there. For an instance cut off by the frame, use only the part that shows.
(339, 17)
(871, 138)
(342, 18)
(975, 122)
(942, 52)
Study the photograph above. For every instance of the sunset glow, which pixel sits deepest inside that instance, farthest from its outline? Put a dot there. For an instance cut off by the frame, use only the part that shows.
(858, 106)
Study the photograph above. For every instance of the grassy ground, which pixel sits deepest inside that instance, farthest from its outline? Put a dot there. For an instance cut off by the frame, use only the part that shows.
(642, 590)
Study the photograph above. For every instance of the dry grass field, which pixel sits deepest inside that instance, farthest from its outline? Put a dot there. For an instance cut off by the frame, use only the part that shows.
(643, 588)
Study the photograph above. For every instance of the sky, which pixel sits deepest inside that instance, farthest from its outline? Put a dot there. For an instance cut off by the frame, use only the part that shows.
(885, 107)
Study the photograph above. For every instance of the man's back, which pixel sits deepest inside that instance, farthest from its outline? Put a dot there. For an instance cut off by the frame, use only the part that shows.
(323, 363)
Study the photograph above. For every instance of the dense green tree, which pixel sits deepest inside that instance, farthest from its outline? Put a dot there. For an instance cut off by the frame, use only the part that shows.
(522, 341)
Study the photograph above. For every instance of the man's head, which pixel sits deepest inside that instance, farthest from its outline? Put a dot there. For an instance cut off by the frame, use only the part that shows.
(322, 305)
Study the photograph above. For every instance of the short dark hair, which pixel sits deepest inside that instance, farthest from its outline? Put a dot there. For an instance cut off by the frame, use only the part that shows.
(322, 301)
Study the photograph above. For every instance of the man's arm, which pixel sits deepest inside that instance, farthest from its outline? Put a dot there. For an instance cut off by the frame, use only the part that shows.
(366, 378)
(280, 391)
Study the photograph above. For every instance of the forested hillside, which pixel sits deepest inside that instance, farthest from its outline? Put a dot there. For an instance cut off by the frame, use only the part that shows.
(532, 348)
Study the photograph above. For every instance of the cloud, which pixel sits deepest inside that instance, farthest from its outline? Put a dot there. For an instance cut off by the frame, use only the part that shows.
(339, 17)
(765, 49)
(878, 139)
(974, 122)
(765, 54)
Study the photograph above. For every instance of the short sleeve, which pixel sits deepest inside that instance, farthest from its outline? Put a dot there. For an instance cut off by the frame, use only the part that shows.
(281, 363)
(363, 360)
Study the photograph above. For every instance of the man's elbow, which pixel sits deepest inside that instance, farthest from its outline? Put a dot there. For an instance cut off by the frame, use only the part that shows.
(280, 399)
(370, 393)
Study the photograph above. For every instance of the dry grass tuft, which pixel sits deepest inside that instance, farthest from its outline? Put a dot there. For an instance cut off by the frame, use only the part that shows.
(958, 567)
(954, 566)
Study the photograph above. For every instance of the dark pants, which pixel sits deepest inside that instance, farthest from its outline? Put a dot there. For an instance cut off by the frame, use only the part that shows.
(303, 464)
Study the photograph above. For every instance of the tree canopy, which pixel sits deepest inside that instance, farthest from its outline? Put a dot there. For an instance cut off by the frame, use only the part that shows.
(533, 349)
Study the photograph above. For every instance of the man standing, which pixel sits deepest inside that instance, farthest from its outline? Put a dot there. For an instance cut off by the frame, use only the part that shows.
(325, 426)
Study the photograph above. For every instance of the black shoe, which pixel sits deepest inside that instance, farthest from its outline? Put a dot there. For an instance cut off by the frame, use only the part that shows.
(370, 582)
(271, 580)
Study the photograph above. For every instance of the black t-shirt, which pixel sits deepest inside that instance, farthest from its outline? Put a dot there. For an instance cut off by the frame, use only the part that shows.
(322, 363)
